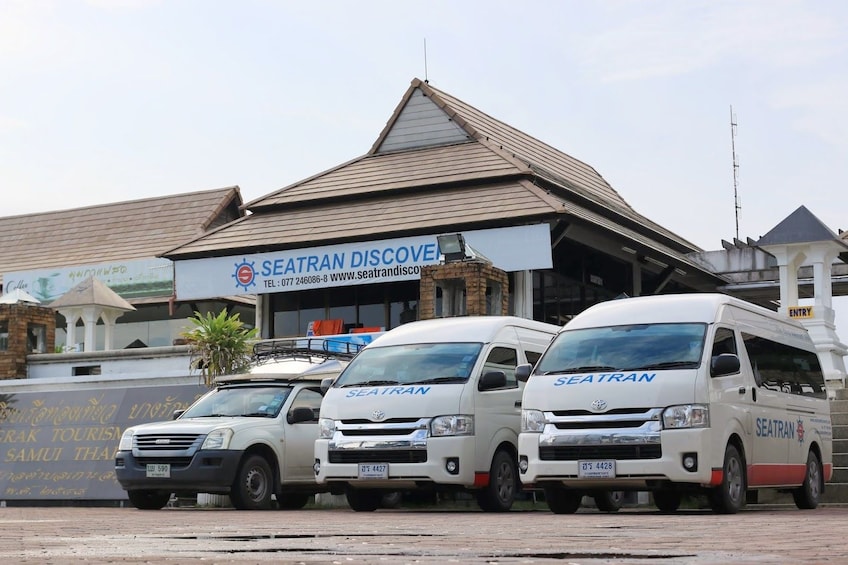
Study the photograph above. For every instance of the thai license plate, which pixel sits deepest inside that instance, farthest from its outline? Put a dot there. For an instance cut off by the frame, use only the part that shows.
(601, 469)
(158, 470)
(373, 470)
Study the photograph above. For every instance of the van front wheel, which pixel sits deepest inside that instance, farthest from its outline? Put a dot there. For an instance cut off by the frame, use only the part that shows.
(729, 496)
(562, 500)
(808, 495)
(499, 494)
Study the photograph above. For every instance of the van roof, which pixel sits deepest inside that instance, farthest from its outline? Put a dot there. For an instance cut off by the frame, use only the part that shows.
(668, 308)
(469, 328)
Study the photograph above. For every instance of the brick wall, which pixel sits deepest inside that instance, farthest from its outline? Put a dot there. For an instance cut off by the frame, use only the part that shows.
(17, 318)
(477, 276)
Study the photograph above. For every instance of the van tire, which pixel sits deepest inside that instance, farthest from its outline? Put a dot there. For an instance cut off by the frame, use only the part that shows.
(562, 500)
(148, 499)
(808, 495)
(363, 499)
(608, 500)
(499, 494)
(253, 486)
(729, 496)
(667, 500)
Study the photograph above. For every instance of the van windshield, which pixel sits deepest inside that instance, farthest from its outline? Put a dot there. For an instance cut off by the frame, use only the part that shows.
(253, 401)
(411, 364)
(625, 348)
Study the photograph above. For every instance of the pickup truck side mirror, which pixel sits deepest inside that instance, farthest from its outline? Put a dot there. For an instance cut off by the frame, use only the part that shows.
(300, 414)
(177, 414)
(326, 384)
(522, 372)
(724, 364)
(491, 380)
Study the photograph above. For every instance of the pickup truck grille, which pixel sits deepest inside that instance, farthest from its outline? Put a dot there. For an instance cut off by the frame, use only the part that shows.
(167, 442)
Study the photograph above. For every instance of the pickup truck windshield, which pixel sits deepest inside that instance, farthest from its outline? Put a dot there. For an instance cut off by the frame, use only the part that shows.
(411, 364)
(256, 402)
(625, 348)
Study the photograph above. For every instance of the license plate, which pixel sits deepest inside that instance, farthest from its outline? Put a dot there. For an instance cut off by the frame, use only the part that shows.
(158, 470)
(602, 469)
(373, 470)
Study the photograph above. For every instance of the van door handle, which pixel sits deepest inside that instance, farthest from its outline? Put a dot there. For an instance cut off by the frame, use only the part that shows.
(741, 390)
(518, 404)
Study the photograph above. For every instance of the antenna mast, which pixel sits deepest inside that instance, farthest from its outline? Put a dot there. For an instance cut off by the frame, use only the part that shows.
(426, 79)
(736, 205)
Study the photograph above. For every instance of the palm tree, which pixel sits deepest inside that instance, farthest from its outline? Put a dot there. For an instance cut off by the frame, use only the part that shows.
(219, 345)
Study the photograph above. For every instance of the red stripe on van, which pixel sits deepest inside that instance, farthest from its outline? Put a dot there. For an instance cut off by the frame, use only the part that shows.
(828, 471)
(716, 476)
(786, 474)
(481, 480)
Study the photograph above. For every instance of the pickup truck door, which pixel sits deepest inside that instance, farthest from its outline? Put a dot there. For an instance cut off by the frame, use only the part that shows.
(299, 452)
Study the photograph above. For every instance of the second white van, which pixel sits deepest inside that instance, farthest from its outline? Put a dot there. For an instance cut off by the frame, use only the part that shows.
(677, 395)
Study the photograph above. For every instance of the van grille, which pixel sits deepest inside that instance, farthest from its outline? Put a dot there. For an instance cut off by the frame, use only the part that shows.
(378, 456)
(579, 452)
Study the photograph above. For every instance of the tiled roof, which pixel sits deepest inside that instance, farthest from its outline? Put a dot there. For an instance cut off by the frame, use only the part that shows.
(137, 229)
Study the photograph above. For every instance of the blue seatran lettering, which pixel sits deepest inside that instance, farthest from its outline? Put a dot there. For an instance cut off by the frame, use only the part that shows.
(387, 391)
(605, 378)
(778, 429)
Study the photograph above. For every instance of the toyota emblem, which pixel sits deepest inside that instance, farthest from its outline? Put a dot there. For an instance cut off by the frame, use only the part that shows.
(599, 405)
(378, 415)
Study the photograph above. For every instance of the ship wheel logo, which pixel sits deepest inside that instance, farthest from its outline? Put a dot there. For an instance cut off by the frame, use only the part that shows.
(245, 275)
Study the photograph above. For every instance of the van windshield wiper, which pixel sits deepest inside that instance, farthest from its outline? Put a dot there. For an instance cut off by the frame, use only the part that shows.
(440, 380)
(369, 383)
(668, 365)
(581, 369)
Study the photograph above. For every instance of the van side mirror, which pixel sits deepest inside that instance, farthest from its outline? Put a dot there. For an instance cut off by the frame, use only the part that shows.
(522, 372)
(326, 384)
(300, 414)
(724, 364)
(492, 380)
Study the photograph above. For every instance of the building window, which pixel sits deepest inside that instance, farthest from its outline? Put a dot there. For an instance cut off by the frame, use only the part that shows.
(36, 338)
(4, 335)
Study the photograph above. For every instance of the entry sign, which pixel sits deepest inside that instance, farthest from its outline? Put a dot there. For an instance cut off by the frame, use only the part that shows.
(800, 311)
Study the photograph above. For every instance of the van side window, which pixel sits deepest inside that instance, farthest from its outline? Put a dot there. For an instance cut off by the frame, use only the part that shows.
(532, 356)
(503, 359)
(784, 368)
(724, 342)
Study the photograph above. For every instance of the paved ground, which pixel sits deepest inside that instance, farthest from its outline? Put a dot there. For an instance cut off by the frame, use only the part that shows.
(340, 536)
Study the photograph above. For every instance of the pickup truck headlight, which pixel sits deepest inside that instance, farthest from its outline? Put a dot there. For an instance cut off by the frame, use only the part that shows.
(454, 425)
(532, 421)
(326, 428)
(126, 443)
(686, 416)
(218, 439)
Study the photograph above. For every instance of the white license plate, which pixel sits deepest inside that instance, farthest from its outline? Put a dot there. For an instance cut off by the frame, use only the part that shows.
(158, 471)
(373, 470)
(602, 469)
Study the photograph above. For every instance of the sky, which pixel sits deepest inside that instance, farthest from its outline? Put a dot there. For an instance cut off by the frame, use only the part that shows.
(111, 100)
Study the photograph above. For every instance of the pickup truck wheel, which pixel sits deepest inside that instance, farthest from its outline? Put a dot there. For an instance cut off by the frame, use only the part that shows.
(148, 499)
(292, 501)
(499, 494)
(363, 499)
(252, 488)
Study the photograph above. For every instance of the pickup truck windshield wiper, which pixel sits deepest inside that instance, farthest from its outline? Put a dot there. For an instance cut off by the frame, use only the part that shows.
(369, 383)
(581, 369)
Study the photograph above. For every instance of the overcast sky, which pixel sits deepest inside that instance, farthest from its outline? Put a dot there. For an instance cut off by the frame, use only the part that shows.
(111, 100)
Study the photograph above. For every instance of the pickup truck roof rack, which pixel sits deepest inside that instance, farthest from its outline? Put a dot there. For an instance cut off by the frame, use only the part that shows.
(304, 348)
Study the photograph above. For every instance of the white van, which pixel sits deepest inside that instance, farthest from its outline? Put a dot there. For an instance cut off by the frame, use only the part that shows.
(432, 404)
(677, 394)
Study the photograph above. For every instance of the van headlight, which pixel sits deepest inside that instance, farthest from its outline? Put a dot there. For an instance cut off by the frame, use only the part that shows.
(532, 421)
(326, 428)
(126, 443)
(218, 439)
(686, 416)
(454, 425)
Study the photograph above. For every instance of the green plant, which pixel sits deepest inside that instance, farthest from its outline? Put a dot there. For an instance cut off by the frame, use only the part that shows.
(219, 345)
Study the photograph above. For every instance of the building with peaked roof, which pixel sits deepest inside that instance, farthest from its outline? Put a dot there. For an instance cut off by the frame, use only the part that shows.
(47, 254)
(348, 243)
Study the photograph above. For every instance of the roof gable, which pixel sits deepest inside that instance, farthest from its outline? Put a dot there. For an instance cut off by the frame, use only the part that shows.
(801, 226)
